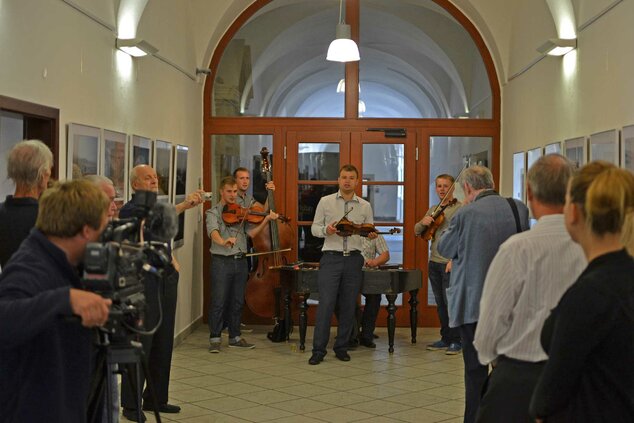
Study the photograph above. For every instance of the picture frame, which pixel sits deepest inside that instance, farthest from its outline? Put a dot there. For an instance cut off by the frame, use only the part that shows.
(576, 150)
(162, 164)
(114, 160)
(140, 151)
(83, 148)
(605, 146)
(532, 156)
(181, 153)
(519, 175)
(553, 148)
(627, 147)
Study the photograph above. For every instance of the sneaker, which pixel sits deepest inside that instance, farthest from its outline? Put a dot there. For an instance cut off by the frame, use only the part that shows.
(242, 343)
(246, 329)
(454, 348)
(438, 345)
(214, 347)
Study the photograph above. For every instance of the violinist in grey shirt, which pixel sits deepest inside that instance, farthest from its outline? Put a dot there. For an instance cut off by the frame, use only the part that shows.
(472, 239)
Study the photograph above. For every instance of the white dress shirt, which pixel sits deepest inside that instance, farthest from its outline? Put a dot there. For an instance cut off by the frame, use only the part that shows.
(525, 281)
(332, 208)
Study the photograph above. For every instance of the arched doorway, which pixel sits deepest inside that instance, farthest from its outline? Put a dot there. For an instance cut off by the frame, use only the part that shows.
(424, 70)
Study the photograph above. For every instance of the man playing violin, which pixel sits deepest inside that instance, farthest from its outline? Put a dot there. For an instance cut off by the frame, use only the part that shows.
(340, 274)
(229, 267)
(439, 267)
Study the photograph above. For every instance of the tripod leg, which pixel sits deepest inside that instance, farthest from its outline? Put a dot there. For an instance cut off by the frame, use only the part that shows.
(150, 387)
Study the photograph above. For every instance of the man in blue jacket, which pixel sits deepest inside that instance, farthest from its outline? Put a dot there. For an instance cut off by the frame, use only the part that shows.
(472, 239)
(45, 356)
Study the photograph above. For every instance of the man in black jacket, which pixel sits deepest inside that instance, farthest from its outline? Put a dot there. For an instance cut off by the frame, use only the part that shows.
(45, 356)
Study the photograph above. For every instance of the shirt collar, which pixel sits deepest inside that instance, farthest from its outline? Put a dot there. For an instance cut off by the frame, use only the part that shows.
(354, 196)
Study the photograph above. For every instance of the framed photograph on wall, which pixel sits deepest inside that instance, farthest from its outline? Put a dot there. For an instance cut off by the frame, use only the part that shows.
(180, 188)
(532, 156)
(114, 161)
(553, 148)
(627, 147)
(605, 146)
(83, 151)
(519, 174)
(140, 151)
(163, 166)
(576, 149)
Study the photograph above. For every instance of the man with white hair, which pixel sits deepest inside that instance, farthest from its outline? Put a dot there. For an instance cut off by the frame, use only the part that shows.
(107, 186)
(29, 165)
(158, 347)
(472, 239)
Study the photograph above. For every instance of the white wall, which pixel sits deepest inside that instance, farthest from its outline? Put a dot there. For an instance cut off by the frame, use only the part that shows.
(53, 55)
(586, 91)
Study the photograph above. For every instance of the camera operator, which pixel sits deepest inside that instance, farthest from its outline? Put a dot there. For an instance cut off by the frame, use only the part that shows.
(45, 357)
(158, 347)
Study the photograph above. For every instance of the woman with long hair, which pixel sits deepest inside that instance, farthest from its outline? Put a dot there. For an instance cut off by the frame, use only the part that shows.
(589, 336)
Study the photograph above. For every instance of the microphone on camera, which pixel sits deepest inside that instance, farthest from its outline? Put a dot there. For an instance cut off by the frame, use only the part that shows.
(162, 222)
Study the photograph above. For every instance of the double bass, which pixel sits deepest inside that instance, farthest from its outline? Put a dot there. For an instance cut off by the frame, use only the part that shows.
(272, 245)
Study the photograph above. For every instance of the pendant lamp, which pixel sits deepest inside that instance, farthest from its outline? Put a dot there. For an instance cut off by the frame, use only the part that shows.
(343, 48)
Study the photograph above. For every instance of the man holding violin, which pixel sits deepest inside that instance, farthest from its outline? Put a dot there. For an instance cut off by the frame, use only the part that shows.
(229, 266)
(340, 267)
(243, 181)
(440, 267)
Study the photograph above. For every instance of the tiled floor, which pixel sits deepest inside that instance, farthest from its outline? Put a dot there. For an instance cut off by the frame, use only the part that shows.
(274, 382)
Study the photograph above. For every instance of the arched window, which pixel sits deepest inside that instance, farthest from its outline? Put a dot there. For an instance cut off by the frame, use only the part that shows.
(417, 61)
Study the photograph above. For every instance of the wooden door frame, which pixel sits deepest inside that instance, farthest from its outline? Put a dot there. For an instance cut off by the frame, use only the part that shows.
(39, 111)
(423, 128)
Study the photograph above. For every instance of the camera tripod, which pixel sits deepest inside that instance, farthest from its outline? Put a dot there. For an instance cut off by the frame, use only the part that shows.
(110, 360)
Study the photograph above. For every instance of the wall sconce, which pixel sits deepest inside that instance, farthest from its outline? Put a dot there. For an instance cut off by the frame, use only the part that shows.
(343, 48)
(558, 46)
(136, 47)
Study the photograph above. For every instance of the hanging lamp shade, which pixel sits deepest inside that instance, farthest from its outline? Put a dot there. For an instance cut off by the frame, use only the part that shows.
(343, 48)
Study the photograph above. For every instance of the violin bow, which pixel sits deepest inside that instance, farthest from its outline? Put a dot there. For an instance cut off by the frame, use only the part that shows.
(344, 216)
(449, 190)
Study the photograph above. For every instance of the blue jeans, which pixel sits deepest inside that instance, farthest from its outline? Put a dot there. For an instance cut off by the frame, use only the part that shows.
(439, 280)
(228, 280)
(339, 282)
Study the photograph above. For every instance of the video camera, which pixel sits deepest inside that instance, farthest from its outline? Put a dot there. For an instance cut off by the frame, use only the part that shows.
(130, 249)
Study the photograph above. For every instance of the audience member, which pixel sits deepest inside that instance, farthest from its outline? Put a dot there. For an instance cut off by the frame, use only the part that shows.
(45, 356)
(526, 279)
(589, 336)
(29, 165)
(473, 237)
(157, 348)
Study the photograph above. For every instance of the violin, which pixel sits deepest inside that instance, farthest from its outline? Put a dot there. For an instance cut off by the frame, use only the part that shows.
(347, 228)
(429, 231)
(233, 214)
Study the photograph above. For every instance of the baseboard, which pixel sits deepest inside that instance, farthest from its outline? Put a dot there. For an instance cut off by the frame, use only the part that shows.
(178, 339)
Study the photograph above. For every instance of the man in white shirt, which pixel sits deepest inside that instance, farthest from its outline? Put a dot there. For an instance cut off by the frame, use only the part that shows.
(526, 279)
(340, 267)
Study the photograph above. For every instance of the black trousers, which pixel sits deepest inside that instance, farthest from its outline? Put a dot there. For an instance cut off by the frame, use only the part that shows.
(158, 347)
(475, 374)
(339, 282)
(508, 390)
(370, 313)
